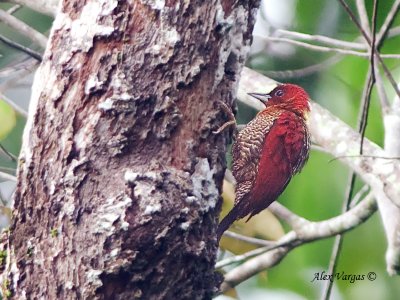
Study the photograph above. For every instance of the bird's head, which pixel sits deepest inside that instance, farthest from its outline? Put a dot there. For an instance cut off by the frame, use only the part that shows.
(286, 96)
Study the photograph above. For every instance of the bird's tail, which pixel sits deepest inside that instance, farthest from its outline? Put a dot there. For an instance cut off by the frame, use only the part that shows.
(227, 221)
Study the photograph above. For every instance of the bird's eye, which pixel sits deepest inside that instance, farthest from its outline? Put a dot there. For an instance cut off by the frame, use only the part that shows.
(279, 93)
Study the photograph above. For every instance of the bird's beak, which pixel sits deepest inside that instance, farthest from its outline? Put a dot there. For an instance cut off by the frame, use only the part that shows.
(262, 97)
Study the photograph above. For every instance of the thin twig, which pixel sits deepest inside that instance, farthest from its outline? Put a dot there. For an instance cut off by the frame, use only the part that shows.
(22, 48)
(268, 257)
(247, 239)
(26, 63)
(395, 31)
(322, 39)
(382, 96)
(48, 7)
(302, 72)
(362, 13)
(360, 194)
(13, 9)
(7, 176)
(324, 48)
(365, 156)
(286, 240)
(23, 28)
(371, 81)
(8, 153)
(2, 200)
(366, 37)
(15, 106)
(13, 81)
(10, 171)
(295, 221)
(384, 31)
(337, 245)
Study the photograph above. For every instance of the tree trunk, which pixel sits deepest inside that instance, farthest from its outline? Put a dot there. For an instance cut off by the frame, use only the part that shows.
(120, 172)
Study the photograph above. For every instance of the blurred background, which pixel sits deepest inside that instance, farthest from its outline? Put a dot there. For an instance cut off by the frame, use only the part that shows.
(335, 81)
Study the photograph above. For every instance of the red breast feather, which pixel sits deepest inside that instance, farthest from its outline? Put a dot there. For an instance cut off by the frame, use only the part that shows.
(266, 154)
(284, 153)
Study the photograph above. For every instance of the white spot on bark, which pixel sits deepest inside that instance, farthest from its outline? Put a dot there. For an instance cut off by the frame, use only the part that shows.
(384, 168)
(114, 252)
(125, 96)
(130, 176)
(69, 285)
(108, 7)
(110, 212)
(14, 271)
(93, 277)
(151, 209)
(165, 41)
(93, 84)
(155, 4)
(84, 136)
(85, 28)
(184, 226)
(204, 188)
(190, 199)
(220, 17)
(106, 104)
(341, 147)
(69, 208)
(171, 37)
(52, 188)
(235, 45)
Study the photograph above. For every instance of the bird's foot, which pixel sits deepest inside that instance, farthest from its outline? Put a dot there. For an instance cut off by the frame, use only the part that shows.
(232, 120)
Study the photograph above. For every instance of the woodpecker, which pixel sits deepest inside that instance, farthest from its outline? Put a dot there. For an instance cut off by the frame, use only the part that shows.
(269, 151)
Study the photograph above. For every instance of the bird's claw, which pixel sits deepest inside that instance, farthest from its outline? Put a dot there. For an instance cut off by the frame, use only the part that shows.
(232, 120)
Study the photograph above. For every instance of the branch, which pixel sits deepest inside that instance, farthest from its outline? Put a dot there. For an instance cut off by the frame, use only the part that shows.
(23, 28)
(14, 9)
(306, 71)
(285, 214)
(362, 13)
(11, 156)
(15, 106)
(322, 39)
(14, 68)
(310, 231)
(368, 40)
(247, 239)
(22, 48)
(6, 176)
(391, 213)
(388, 22)
(324, 48)
(47, 7)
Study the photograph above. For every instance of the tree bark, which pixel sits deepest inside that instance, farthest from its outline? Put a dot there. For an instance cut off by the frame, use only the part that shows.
(120, 172)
